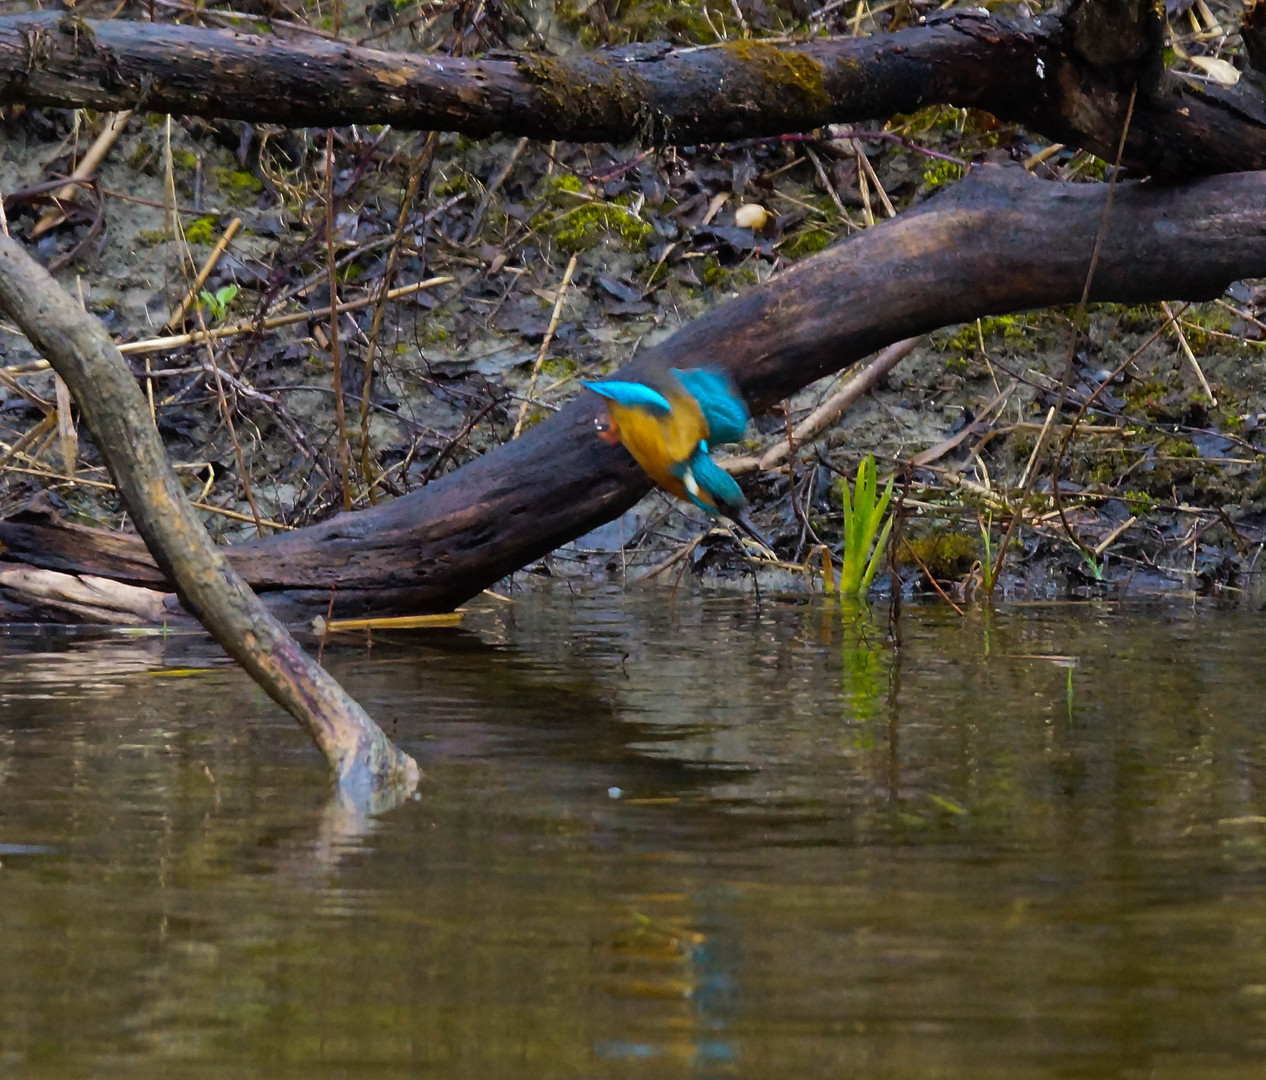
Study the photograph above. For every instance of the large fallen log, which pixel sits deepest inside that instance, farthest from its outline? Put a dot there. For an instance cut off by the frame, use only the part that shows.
(1068, 76)
(1000, 241)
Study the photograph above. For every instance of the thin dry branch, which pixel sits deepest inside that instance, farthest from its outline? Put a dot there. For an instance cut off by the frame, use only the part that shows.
(826, 414)
(212, 260)
(87, 167)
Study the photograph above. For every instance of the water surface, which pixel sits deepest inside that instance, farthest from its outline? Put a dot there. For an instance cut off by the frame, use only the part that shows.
(655, 838)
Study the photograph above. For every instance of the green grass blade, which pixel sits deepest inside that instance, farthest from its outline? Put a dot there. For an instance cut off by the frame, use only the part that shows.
(877, 556)
(864, 514)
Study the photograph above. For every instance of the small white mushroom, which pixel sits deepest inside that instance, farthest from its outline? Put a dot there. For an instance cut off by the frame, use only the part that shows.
(751, 216)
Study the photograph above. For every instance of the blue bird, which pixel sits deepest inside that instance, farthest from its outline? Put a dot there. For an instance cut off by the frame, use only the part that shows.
(668, 424)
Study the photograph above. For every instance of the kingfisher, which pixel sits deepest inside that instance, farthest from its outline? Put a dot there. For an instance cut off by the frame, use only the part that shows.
(669, 424)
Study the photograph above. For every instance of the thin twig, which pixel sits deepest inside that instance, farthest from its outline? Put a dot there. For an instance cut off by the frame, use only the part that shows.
(494, 183)
(1094, 395)
(549, 336)
(182, 309)
(55, 215)
(681, 553)
(829, 412)
(343, 454)
(928, 574)
(233, 17)
(825, 181)
(227, 413)
(102, 485)
(1191, 357)
(42, 428)
(177, 341)
(1113, 536)
(420, 166)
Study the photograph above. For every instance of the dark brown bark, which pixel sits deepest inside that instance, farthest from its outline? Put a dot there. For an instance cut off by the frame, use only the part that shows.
(364, 761)
(1054, 76)
(1001, 241)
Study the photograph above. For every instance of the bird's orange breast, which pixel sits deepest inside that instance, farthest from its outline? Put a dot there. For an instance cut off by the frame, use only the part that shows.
(658, 443)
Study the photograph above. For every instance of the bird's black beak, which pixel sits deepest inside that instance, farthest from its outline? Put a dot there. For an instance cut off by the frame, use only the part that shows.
(740, 519)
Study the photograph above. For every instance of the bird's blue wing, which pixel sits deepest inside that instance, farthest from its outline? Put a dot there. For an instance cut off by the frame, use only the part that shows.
(632, 396)
(718, 483)
(709, 486)
(724, 410)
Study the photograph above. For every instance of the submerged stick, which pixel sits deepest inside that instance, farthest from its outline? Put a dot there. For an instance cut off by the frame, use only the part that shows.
(366, 765)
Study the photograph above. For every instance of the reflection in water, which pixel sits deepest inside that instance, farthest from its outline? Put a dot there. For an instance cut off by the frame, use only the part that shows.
(866, 669)
(654, 838)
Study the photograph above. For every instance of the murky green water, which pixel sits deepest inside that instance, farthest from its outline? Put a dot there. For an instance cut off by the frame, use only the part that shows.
(654, 841)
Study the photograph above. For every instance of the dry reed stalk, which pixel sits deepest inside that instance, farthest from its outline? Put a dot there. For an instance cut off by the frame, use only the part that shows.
(1186, 350)
(1113, 536)
(825, 181)
(217, 252)
(549, 336)
(1046, 154)
(67, 436)
(828, 413)
(1039, 448)
(394, 622)
(114, 127)
(879, 188)
(343, 450)
(420, 166)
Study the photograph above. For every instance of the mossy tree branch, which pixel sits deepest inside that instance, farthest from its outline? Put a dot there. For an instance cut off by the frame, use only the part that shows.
(1066, 76)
